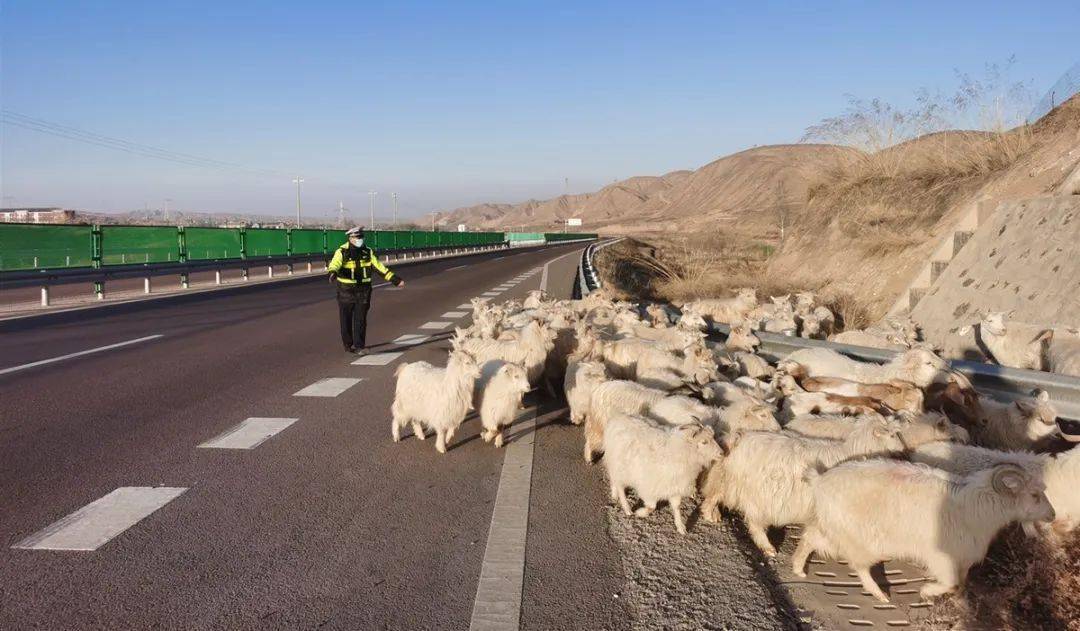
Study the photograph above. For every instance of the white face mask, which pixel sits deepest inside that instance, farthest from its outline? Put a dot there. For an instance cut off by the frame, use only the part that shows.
(356, 242)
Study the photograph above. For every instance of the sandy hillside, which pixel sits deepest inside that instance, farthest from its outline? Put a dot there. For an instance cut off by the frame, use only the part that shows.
(855, 223)
(750, 184)
(868, 230)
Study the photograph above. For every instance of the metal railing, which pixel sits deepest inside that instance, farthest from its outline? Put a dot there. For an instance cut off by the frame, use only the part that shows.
(998, 382)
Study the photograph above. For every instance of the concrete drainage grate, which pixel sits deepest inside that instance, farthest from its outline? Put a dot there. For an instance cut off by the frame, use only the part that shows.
(832, 597)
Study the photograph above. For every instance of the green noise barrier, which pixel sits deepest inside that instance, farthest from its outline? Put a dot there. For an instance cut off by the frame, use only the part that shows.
(49, 247)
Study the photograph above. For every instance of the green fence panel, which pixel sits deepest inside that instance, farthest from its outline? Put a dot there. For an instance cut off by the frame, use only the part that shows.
(263, 242)
(383, 240)
(524, 236)
(567, 236)
(335, 239)
(124, 245)
(307, 241)
(30, 246)
(211, 244)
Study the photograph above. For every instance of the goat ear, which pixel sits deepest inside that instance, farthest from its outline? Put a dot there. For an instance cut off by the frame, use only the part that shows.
(1044, 336)
(1040, 395)
(1024, 407)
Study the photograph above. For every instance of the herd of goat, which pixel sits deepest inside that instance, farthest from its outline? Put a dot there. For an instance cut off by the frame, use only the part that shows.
(898, 460)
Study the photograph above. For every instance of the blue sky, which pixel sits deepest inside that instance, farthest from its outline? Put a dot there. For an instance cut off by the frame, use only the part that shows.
(453, 103)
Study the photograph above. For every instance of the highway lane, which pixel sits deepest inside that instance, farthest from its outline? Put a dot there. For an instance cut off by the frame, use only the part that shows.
(327, 523)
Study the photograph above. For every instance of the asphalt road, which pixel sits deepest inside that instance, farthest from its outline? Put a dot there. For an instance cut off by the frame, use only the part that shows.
(327, 524)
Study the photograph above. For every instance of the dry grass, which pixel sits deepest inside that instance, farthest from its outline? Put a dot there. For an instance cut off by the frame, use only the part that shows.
(681, 268)
(886, 201)
(1023, 585)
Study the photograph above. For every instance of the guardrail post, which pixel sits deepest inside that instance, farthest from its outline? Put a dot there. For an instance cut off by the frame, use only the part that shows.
(309, 267)
(44, 295)
(270, 270)
(217, 277)
(95, 259)
(182, 256)
(146, 285)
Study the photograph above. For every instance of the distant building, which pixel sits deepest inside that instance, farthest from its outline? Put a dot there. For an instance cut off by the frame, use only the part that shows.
(37, 215)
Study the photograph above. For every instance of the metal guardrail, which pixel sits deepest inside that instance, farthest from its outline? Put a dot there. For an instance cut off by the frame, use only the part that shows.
(588, 279)
(998, 382)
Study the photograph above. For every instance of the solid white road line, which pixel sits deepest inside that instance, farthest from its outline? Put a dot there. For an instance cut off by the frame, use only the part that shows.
(93, 525)
(434, 326)
(497, 606)
(79, 354)
(453, 315)
(249, 434)
(377, 359)
(454, 268)
(502, 573)
(329, 387)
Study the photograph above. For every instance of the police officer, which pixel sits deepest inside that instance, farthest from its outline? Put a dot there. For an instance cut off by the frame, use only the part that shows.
(350, 270)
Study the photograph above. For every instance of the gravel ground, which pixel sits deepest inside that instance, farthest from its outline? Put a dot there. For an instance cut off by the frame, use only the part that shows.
(704, 580)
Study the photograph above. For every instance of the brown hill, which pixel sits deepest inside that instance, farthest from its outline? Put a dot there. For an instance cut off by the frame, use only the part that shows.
(753, 184)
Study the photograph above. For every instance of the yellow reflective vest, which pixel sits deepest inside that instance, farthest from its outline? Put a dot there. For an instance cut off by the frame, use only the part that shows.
(350, 270)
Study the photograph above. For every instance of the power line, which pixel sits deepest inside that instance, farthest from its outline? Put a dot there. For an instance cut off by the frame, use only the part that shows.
(15, 119)
(149, 151)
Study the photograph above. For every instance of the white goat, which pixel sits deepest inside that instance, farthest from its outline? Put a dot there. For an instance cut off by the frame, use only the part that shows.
(741, 338)
(659, 463)
(762, 477)
(1014, 344)
(1060, 473)
(582, 378)
(1018, 425)
(915, 429)
(918, 366)
(725, 309)
(530, 351)
(878, 509)
(535, 299)
(432, 397)
(753, 366)
(497, 397)
(608, 400)
(898, 395)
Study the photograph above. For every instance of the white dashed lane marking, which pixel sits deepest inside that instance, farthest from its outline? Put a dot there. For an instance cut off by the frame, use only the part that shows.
(249, 434)
(465, 306)
(411, 339)
(438, 325)
(93, 525)
(453, 315)
(377, 359)
(329, 387)
(490, 294)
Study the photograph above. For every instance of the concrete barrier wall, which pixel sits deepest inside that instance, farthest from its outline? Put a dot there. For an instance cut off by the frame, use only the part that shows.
(1025, 257)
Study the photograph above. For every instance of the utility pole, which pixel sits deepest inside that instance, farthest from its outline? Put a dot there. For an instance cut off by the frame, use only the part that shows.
(433, 214)
(167, 200)
(341, 213)
(394, 195)
(297, 181)
(371, 195)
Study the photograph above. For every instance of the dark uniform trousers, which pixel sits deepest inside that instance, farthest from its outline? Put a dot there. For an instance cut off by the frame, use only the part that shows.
(353, 303)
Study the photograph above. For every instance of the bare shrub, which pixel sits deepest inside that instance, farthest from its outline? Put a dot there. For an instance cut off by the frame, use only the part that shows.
(1023, 584)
